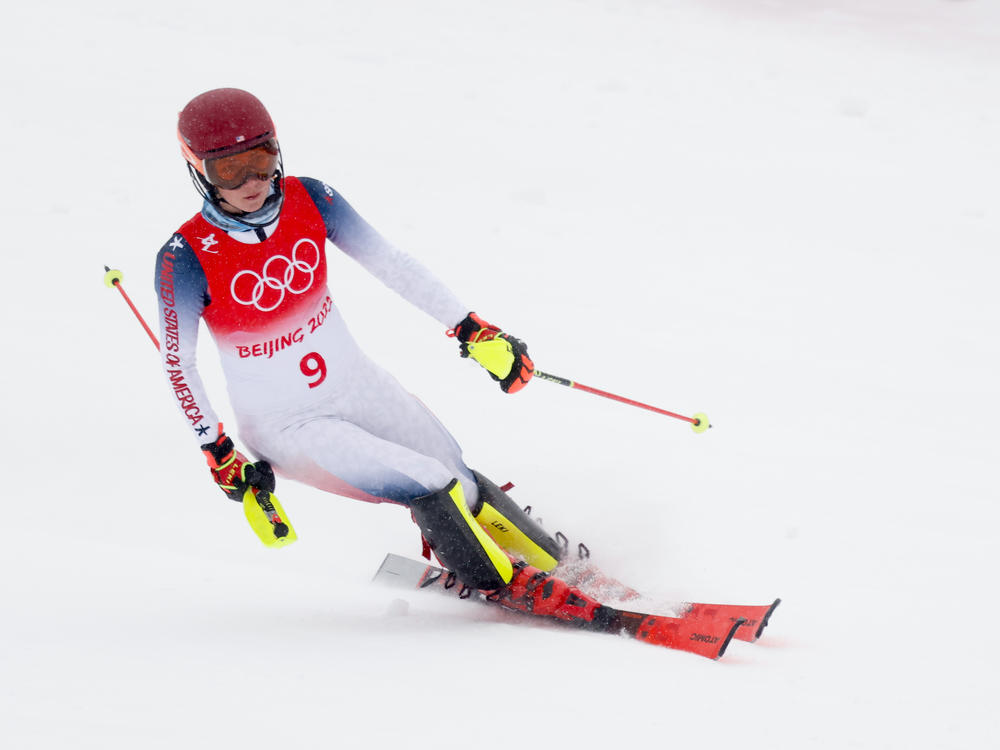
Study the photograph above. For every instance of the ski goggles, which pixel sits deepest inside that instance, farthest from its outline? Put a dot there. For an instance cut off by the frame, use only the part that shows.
(231, 172)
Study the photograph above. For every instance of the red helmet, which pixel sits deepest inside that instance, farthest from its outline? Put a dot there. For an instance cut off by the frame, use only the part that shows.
(221, 122)
(224, 122)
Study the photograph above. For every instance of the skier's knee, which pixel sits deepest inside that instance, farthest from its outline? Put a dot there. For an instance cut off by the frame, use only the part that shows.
(459, 542)
(512, 528)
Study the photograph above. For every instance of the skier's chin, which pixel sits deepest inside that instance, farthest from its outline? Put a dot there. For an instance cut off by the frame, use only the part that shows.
(239, 206)
(245, 199)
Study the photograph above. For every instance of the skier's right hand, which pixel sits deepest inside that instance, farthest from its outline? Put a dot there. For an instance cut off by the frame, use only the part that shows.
(233, 472)
(504, 357)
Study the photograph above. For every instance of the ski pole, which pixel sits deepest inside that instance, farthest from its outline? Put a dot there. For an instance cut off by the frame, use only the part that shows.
(265, 514)
(699, 422)
(113, 278)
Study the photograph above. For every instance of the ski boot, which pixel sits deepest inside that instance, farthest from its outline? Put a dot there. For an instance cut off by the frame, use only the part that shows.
(512, 528)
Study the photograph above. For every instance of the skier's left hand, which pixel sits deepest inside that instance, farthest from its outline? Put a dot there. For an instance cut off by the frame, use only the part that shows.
(503, 356)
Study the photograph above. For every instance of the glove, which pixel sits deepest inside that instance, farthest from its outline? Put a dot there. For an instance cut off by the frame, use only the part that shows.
(233, 472)
(504, 357)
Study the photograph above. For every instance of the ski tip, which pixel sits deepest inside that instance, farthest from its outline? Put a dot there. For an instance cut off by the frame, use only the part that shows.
(737, 624)
(764, 620)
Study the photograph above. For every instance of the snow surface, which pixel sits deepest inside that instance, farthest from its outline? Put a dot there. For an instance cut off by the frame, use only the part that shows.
(782, 212)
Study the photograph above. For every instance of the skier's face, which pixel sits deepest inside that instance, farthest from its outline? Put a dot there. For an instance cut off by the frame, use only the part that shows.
(248, 197)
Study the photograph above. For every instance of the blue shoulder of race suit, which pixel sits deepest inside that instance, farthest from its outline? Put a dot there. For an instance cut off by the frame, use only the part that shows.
(179, 273)
(335, 210)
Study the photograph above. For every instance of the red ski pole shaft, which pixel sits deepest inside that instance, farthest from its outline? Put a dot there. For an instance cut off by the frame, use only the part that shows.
(113, 278)
(699, 422)
(278, 532)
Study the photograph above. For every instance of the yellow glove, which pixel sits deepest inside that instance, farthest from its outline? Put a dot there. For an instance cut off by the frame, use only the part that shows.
(504, 357)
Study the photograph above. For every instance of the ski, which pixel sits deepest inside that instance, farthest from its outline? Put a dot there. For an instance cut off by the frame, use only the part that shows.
(587, 577)
(596, 583)
(755, 617)
(708, 635)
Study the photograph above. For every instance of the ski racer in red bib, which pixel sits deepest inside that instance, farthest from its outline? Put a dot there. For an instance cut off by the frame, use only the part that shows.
(309, 404)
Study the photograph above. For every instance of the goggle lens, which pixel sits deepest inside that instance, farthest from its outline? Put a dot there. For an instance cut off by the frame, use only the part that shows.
(231, 172)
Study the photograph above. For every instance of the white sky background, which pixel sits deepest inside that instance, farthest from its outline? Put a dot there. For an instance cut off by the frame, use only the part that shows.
(782, 213)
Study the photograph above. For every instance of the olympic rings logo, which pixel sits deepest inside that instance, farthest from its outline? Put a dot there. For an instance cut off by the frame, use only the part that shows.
(266, 290)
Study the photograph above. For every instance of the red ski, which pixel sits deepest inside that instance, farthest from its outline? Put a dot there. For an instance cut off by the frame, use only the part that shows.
(754, 617)
(706, 634)
(709, 637)
(586, 576)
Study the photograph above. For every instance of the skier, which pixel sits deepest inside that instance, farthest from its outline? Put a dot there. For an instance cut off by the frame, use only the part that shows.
(310, 405)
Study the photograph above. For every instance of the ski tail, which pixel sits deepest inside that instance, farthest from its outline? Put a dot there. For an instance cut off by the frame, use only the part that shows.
(403, 572)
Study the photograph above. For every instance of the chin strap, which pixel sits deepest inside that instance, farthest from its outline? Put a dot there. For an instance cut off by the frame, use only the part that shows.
(263, 217)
